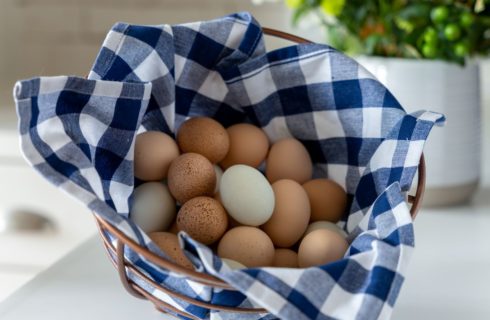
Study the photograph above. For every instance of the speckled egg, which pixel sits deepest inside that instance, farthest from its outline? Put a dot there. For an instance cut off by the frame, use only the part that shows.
(203, 218)
(191, 175)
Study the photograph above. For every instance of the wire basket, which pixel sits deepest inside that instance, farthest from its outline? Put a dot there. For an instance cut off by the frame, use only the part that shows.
(121, 241)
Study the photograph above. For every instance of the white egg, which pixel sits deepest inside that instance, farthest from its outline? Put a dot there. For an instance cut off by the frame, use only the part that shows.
(247, 195)
(234, 265)
(153, 207)
(325, 225)
(219, 173)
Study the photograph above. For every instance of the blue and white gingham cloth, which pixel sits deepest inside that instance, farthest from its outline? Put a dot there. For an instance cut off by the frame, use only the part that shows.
(79, 134)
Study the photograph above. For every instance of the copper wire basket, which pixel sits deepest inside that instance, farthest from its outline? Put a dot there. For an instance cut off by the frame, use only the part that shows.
(122, 241)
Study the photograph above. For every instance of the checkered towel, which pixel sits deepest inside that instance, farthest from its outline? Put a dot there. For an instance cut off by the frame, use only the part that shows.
(79, 134)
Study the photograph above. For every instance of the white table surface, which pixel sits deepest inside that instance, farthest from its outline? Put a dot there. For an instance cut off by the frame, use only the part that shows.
(448, 277)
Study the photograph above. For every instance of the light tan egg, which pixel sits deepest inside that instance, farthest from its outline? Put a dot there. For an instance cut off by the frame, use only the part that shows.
(325, 225)
(291, 213)
(321, 247)
(248, 145)
(285, 258)
(249, 246)
(169, 243)
(289, 159)
(328, 199)
(191, 175)
(153, 208)
(153, 153)
(205, 136)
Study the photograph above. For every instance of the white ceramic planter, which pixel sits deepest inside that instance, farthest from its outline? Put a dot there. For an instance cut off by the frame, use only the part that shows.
(452, 152)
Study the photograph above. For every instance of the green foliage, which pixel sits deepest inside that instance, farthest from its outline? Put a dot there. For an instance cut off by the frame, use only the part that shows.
(439, 29)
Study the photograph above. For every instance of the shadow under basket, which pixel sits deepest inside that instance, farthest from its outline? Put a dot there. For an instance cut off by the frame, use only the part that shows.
(121, 241)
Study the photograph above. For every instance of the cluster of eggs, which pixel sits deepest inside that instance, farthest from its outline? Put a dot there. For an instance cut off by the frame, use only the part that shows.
(282, 218)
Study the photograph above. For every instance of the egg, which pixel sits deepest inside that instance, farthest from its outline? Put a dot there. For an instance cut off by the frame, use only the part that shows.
(285, 258)
(169, 244)
(249, 246)
(219, 173)
(321, 247)
(248, 145)
(153, 153)
(153, 208)
(191, 175)
(205, 136)
(203, 218)
(247, 195)
(325, 225)
(232, 264)
(327, 199)
(289, 159)
(291, 213)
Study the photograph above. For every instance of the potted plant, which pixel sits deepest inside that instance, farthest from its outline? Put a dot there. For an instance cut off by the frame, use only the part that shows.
(426, 53)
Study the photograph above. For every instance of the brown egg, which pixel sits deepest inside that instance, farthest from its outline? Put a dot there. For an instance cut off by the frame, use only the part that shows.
(289, 159)
(169, 243)
(291, 213)
(248, 245)
(321, 247)
(327, 199)
(203, 218)
(205, 136)
(153, 153)
(189, 176)
(285, 258)
(248, 145)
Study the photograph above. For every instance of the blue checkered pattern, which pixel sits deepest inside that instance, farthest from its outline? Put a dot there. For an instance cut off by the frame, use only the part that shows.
(79, 134)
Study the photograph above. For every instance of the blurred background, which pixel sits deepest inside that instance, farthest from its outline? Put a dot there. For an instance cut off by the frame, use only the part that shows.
(413, 52)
